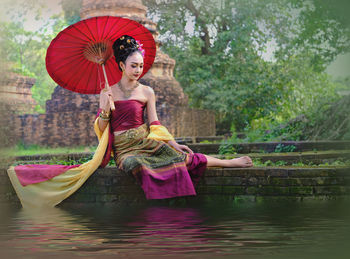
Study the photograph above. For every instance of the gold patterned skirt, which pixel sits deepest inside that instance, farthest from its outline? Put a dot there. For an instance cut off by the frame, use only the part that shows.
(162, 171)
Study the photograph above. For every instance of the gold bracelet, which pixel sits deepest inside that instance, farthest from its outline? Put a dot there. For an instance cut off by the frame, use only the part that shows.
(104, 118)
(105, 113)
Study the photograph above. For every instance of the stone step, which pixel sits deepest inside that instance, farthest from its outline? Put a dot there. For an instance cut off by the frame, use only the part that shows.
(260, 147)
(243, 148)
(61, 156)
(110, 185)
(318, 157)
(315, 157)
(199, 139)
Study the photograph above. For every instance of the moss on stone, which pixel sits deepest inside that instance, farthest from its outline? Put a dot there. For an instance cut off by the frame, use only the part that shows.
(301, 190)
(235, 190)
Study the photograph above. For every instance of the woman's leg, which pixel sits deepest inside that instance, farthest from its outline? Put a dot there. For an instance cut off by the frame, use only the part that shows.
(244, 161)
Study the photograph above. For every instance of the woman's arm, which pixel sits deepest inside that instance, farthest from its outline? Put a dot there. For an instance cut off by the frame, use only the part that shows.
(104, 105)
(151, 105)
(152, 116)
(102, 124)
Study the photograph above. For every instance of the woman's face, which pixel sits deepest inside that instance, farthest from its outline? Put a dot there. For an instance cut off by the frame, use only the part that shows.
(134, 66)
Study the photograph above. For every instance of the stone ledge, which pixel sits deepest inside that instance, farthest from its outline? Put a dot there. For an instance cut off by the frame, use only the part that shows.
(110, 185)
(258, 147)
(289, 158)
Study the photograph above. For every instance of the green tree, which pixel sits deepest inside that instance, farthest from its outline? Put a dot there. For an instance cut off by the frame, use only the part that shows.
(220, 66)
(26, 51)
(318, 27)
(71, 9)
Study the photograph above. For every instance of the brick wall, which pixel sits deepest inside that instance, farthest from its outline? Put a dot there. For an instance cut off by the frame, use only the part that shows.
(69, 121)
(110, 185)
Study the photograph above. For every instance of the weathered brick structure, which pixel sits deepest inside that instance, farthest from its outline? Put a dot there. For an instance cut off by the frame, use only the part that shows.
(69, 118)
(15, 99)
(15, 90)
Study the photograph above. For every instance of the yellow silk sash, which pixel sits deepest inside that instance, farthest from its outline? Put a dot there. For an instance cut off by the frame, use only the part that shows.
(159, 132)
(51, 192)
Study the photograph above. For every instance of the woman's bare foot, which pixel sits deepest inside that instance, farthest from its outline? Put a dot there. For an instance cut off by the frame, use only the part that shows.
(243, 161)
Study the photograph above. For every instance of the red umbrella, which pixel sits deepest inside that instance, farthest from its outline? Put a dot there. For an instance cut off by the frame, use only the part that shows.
(80, 58)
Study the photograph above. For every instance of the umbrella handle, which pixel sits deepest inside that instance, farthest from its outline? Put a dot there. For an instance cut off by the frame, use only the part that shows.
(111, 103)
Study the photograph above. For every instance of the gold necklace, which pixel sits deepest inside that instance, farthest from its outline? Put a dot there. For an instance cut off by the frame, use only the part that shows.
(127, 92)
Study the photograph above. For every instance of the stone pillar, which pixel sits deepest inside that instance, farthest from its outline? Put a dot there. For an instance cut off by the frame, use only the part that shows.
(15, 99)
(15, 90)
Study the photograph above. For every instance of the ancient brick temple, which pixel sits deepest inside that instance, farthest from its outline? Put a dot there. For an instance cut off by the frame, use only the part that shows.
(15, 99)
(69, 116)
(15, 91)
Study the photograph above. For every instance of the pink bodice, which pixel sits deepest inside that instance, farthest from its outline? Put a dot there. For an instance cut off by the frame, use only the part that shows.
(127, 114)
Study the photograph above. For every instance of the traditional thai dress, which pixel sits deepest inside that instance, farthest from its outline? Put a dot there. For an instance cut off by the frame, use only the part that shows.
(142, 151)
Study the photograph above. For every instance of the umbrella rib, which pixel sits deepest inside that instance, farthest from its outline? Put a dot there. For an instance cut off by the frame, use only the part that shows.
(120, 28)
(89, 39)
(116, 32)
(74, 54)
(93, 36)
(79, 57)
(104, 27)
(97, 78)
(74, 87)
(90, 74)
(67, 82)
(75, 37)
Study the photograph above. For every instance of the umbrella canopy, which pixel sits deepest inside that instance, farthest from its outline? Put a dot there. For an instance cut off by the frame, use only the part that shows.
(67, 61)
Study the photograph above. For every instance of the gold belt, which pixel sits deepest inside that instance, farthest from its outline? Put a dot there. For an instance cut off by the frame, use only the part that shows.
(132, 133)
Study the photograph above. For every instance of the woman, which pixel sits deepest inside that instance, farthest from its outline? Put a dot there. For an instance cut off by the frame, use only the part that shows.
(161, 166)
(146, 150)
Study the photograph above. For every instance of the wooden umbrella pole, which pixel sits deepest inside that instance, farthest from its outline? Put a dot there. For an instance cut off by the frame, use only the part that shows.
(111, 102)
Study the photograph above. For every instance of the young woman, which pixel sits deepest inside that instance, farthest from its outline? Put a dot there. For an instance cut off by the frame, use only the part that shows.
(147, 150)
(162, 167)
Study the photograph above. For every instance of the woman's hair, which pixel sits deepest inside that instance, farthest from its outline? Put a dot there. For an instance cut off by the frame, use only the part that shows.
(123, 47)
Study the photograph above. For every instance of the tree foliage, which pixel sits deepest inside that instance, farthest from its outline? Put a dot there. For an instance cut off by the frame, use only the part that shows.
(219, 50)
(71, 9)
(219, 62)
(26, 50)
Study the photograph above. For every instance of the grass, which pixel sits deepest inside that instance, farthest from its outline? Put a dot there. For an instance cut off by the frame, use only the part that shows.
(55, 161)
(258, 163)
(31, 150)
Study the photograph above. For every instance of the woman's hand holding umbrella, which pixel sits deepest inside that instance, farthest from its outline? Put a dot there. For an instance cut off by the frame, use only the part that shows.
(105, 96)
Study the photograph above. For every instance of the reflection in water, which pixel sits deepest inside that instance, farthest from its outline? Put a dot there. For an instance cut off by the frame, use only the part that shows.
(254, 230)
(169, 229)
(49, 230)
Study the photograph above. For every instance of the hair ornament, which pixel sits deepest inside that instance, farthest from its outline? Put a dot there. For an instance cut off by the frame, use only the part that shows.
(121, 47)
(139, 46)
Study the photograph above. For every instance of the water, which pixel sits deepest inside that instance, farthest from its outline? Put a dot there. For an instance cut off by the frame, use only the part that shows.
(313, 229)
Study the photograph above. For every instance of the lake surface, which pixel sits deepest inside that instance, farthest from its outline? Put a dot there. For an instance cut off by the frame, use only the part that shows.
(308, 229)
